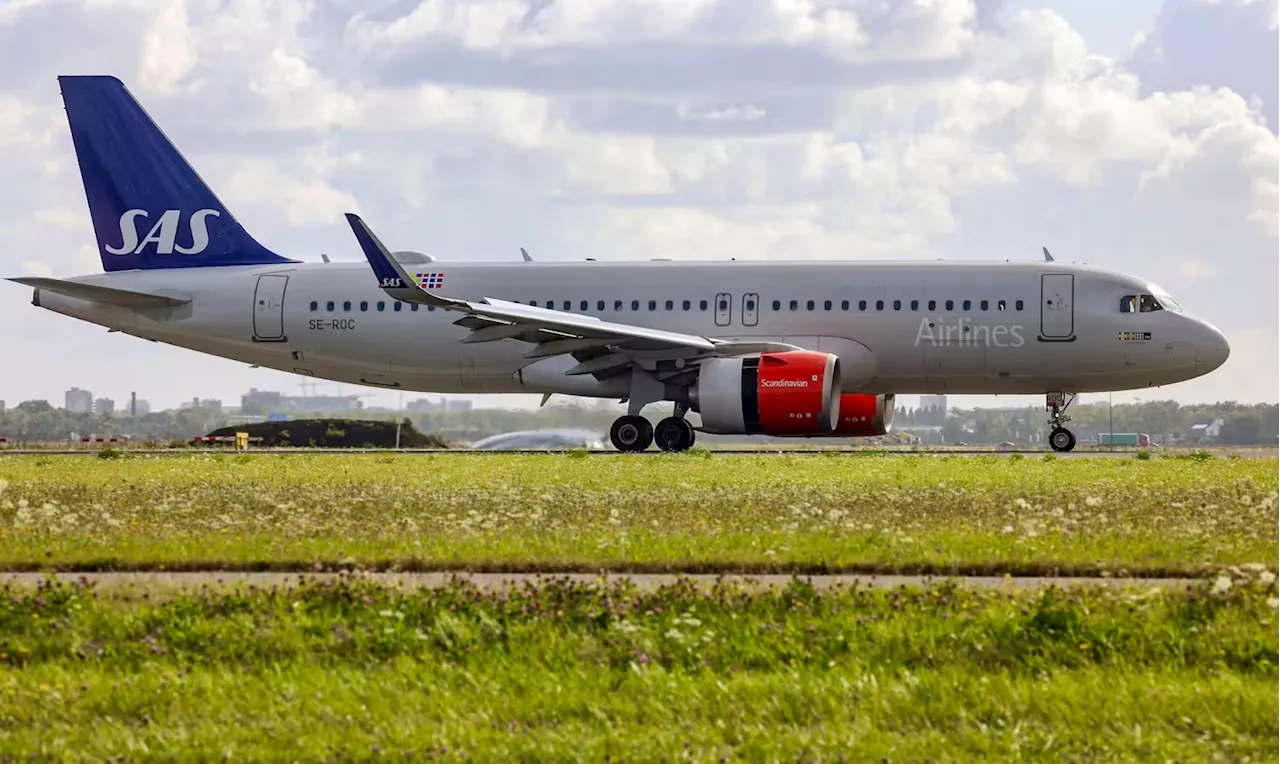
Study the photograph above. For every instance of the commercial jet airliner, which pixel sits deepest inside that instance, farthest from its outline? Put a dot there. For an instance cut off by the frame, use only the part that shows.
(805, 349)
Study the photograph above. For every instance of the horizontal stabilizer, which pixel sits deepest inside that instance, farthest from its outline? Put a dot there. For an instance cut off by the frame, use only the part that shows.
(126, 298)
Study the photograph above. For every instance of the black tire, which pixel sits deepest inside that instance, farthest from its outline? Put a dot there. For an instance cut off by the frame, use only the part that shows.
(1062, 440)
(673, 434)
(631, 433)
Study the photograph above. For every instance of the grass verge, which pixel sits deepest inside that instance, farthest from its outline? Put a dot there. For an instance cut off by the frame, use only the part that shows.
(691, 512)
(563, 671)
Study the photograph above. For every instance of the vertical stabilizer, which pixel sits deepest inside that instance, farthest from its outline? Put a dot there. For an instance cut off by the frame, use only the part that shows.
(150, 208)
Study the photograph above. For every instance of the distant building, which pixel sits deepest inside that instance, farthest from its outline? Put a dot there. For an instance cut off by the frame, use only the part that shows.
(1, 407)
(79, 401)
(425, 406)
(104, 406)
(1205, 430)
(262, 402)
(933, 402)
(141, 407)
(208, 404)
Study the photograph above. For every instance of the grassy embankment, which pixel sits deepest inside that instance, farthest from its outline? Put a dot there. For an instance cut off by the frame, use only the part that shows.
(560, 672)
(690, 512)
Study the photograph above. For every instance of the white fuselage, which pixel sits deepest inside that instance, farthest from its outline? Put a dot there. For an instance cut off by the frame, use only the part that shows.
(930, 327)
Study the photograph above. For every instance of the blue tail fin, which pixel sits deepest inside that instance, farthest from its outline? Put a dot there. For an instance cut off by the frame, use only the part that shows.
(149, 207)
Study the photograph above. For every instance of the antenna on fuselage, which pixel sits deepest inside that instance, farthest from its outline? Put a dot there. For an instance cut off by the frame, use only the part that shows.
(324, 258)
(1048, 258)
(525, 255)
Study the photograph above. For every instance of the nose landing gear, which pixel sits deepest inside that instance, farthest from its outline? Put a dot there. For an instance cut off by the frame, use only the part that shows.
(1060, 438)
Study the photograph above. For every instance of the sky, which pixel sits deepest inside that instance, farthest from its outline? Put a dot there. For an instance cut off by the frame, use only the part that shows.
(1139, 136)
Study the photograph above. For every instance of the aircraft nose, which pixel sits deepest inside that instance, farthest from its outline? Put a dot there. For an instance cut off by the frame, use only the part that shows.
(1212, 348)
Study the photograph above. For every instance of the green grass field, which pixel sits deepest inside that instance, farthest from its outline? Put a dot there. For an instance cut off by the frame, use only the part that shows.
(690, 512)
(556, 671)
(572, 672)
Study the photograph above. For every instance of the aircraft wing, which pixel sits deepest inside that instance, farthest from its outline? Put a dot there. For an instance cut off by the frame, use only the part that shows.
(601, 347)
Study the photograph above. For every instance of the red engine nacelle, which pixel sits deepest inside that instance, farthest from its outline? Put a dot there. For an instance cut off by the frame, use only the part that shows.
(865, 415)
(791, 393)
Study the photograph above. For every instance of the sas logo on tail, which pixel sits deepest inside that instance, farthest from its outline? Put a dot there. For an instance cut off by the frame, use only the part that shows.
(163, 234)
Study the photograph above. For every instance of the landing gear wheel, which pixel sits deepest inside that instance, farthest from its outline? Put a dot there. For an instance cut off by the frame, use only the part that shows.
(1062, 439)
(673, 434)
(631, 433)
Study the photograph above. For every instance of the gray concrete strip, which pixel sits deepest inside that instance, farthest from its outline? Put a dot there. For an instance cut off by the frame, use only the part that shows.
(489, 581)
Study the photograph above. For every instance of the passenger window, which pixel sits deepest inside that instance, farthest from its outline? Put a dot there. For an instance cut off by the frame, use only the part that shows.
(1000, 305)
(314, 306)
(329, 306)
(862, 304)
(346, 305)
(826, 305)
(381, 305)
(1147, 304)
(599, 304)
(794, 304)
(844, 305)
(702, 305)
(686, 305)
(653, 305)
(809, 305)
(670, 305)
(967, 304)
(983, 304)
(777, 304)
(396, 306)
(915, 305)
(951, 304)
(897, 304)
(568, 305)
(431, 307)
(1018, 305)
(584, 305)
(617, 304)
(414, 308)
(551, 304)
(933, 305)
(879, 304)
(635, 305)
(364, 305)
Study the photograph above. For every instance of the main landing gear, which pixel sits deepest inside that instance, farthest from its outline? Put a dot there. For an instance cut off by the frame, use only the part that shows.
(634, 433)
(1060, 438)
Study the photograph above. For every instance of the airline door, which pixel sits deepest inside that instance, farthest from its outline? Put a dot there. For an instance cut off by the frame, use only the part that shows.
(1057, 313)
(268, 308)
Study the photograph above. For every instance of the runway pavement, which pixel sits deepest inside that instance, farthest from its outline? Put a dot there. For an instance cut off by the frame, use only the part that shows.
(1104, 453)
(178, 580)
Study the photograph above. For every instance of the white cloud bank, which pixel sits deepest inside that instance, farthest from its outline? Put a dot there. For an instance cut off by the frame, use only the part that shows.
(671, 128)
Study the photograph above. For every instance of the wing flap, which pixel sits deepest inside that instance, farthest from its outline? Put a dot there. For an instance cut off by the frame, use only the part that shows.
(126, 298)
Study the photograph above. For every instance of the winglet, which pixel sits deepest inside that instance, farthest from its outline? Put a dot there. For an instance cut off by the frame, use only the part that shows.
(525, 255)
(392, 277)
(1048, 258)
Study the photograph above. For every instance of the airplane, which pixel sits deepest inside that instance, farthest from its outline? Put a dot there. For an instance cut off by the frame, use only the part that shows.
(801, 349)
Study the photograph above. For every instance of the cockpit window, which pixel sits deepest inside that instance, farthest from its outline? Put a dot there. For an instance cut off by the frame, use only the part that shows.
(1169, 303)
(1139, 303)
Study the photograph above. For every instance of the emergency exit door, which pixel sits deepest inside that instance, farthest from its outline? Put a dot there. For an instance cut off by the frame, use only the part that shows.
(750, 304)
(1057, 316)
(268, 309)
(724, 309)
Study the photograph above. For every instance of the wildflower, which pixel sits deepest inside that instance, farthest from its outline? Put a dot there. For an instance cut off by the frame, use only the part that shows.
(1221, 584)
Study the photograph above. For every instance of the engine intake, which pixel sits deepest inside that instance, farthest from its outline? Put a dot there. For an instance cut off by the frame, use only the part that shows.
(791, 393)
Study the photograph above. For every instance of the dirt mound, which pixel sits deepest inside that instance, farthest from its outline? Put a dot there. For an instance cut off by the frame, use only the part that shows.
(335, 433)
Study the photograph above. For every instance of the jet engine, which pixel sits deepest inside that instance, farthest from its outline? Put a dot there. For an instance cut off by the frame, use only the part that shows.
(791, 393)
(863, 415)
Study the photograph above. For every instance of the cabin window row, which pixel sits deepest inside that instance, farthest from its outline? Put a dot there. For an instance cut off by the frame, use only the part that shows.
(863, 305)
(930, 305)
(380, 306)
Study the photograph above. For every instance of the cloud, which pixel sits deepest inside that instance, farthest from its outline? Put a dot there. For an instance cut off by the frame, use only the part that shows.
(786, 129)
